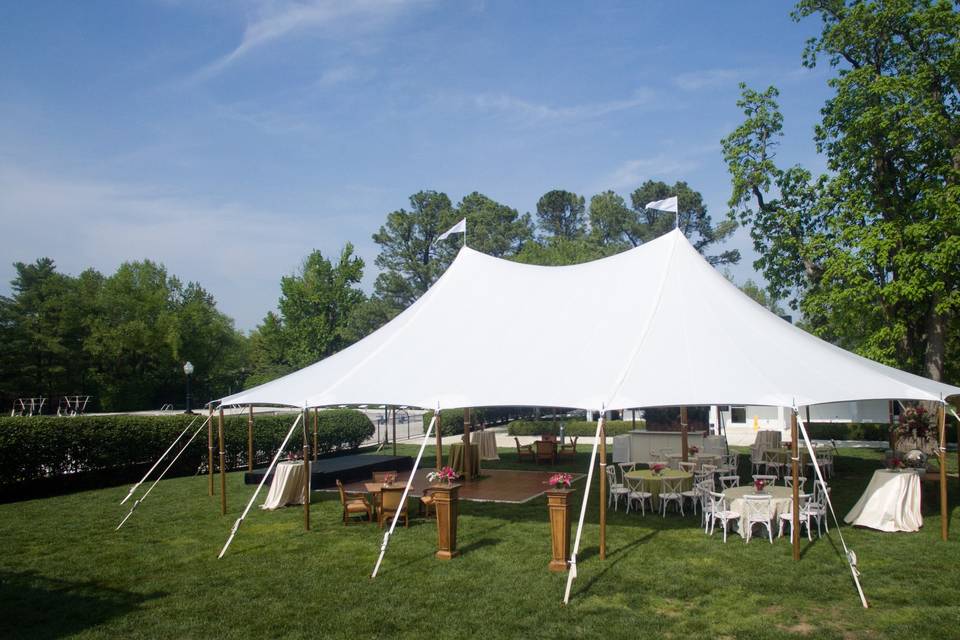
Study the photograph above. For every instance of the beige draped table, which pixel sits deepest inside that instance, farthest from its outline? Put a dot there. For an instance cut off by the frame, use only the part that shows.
(486, 442)
(891, 502)
(780, 499)
(287, 485)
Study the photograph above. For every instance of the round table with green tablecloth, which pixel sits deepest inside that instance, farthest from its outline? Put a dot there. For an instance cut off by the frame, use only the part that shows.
(652, 482)
(456, 460)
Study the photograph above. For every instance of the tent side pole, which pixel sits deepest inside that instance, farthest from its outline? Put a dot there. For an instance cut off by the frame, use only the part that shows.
(406, 492)
(957, 418)
(316, 428)
(466, 444)
(394, 431)
(250, 439)
(684, 441)
(795, 471)
(572, 573)
(439, 440)
(603, 490)
(210, 452)
(942, 455)
(223, 466)
(263, 480)
(160, 459)
(306, 472)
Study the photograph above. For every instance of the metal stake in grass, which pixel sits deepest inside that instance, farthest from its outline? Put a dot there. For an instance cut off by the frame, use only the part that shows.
(169, 449)
(160, 477)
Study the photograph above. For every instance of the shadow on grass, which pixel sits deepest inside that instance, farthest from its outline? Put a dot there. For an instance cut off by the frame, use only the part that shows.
(614, 557)
(36, 606)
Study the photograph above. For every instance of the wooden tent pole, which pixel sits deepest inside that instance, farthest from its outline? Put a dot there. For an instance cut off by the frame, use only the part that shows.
(316, 427)
(439, 442)
(210, 452)
(306, 472)
(684, 445)
(250, 440)
(466, 444)
(944, 512)
(394, 431)
(795, 471)
(603, 488)
(223, 467)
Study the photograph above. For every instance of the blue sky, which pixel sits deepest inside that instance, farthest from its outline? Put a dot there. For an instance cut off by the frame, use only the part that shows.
(227, 139)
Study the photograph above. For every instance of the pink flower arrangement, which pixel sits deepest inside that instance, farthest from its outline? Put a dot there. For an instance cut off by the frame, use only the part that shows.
(758, 485)
(694, 449)
(916, 422)
(445, 475)
(389, 479)
(561, 479)
(658, 468)
(896, 463)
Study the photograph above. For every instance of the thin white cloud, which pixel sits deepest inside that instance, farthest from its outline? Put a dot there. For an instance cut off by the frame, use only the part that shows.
(709, 78)
(661, 166)
(270, 21)
(530, 111)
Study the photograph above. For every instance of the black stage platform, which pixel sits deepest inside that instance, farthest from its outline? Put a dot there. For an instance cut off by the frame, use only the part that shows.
(326, 471)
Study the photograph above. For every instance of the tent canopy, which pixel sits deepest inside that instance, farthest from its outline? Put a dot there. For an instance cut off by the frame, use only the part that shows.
(652, 326)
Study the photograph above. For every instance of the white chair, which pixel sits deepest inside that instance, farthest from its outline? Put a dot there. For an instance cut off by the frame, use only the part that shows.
(773, 463)
(637, 492)
(694, 495)
(730, 465)
(671, 491)
(788, 517)
(625, 468)
(816, 507)
(729, 482)
(688, 467)
(717, 508)
(788, 480)
(756, 459)
(758, 510)
(616, 489)
(705, 487)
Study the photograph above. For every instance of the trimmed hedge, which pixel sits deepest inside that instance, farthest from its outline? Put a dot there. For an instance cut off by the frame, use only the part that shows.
(864, 431)
(580, 428)
(45, 446)
(451, 420)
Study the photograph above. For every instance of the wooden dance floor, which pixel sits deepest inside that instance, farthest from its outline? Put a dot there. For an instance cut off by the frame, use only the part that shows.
(494, 485)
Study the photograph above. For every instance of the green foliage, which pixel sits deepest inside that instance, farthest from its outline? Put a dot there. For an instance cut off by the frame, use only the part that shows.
(314, 320)
(451, 420)
(494, 228)
(37, 447)
(580, 428)
(561, 214)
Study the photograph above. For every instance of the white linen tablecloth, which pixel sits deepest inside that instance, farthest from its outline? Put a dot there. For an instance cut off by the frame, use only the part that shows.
(486, 442)
(781, 497)
(891, 502)
(287, 485)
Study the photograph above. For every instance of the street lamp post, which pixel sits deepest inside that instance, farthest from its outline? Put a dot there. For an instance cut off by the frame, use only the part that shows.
(188, 370)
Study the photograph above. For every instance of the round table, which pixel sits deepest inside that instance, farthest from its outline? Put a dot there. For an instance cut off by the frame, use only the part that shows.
(287, 485)
(782, 497)
(891, 502)
(652, 483)
(487, 443)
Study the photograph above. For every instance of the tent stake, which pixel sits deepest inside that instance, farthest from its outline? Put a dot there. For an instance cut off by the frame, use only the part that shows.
(170, 448)
(137, 503)
(406, 492)
(273, 463)
(572, 573)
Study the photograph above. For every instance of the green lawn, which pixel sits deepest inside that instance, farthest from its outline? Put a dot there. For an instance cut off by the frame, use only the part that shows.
(64, 572)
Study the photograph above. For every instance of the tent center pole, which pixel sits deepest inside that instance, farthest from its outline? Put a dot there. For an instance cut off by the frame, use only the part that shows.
(223, 466)
(795, 472)
(603, 492)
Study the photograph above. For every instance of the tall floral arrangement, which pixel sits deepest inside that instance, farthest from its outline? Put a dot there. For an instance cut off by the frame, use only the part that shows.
(916, 422)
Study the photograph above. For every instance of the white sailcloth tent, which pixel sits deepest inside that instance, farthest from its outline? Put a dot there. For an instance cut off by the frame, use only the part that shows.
(653, 326)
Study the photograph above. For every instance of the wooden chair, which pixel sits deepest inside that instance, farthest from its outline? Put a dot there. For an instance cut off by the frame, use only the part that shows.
(390, 503)
(547, 451)
(427, 503)
(568, 450)
(353, 505)
(525, 451)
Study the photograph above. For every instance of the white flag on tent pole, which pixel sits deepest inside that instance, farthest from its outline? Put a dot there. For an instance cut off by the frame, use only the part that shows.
(667, 204)
(460, 227)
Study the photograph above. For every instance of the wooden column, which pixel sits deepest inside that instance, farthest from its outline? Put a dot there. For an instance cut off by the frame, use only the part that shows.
(603, 488)
(223, 467)
(558, 502)
(942, 454)
(250, 440)
(394, 431)
(210, 451)
(316, 427)
(306, 473)
(795, 471)
(446, 501)
(684, 446)
(439, 443)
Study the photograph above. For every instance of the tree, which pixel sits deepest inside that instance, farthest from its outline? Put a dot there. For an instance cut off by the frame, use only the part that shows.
(694, 221)
(410, 257)
(612, 222)
(494, 228)
(314, 311)
(561, 214)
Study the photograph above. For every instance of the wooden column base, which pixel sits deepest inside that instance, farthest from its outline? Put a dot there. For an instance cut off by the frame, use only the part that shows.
(558, 501)
(446, 499)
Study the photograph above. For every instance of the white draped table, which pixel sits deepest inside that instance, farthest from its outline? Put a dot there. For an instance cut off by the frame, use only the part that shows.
(486, 442)
(891, 502)
(287, 485)
(780, 500)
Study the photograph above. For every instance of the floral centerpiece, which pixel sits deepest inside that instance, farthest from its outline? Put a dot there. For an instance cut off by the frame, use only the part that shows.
(915, 422)
(446, 475)
(658, 468)
(561, 480)
(389, 479)
(896, 463)
(758, 485)
(693, 449)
